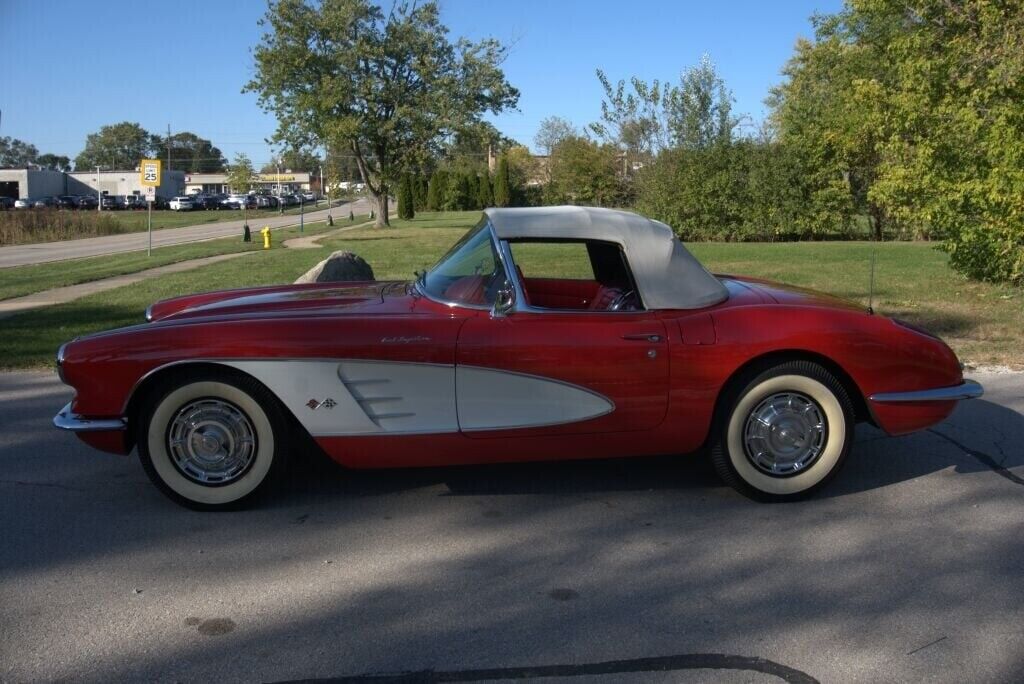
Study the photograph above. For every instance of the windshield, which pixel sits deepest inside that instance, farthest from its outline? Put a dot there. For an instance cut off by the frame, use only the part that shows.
(469, 274)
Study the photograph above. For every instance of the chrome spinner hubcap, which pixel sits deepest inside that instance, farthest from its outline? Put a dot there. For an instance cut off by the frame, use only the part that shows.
(211, 442)
(785, 434)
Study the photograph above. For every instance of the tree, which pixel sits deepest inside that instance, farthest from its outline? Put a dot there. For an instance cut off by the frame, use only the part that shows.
(54, 161)
(502, 185)
(437, 190)
(584, 172)
(341, 73)
(485, 197)
(122, 145)
(16, 153)
(552, 131)
(461, 194)
(240, 178)
(189, 153)
(698, 112)
(420, 191)
(406, 200)
(296, 160)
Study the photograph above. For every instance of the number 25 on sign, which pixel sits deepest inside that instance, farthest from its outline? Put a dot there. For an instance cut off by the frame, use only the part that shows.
(149, 172)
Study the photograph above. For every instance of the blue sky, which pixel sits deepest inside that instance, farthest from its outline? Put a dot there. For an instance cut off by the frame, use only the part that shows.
(184, 65)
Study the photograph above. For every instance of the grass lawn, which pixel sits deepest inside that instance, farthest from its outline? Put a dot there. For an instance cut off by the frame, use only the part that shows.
(22, 280)
(980, 321)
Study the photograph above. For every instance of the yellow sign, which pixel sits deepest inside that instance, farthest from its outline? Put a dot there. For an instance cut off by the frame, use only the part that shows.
(149, 173)
(274, 178)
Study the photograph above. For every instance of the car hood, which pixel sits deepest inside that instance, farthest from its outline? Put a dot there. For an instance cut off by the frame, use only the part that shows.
(777, 293)
(283, 300)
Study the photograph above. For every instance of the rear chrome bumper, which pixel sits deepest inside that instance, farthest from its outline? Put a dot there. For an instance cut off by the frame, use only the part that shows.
(66, 420)
(968, 389)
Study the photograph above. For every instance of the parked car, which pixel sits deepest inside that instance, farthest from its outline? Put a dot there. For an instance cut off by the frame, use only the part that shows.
(44, 203)
(238, 201)
(286, 200)
(266, 201)
(136, 202)
(86, 202)
(111, 202)
(309, 196)
(544, 333)
(23, 203)
(209, 202)
(66, 202)
(6, 202)
(180, 204)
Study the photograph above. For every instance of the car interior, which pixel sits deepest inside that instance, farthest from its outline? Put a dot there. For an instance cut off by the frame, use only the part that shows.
(575, 275)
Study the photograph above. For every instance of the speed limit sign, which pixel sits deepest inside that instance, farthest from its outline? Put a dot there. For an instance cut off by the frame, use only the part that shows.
(149, 173)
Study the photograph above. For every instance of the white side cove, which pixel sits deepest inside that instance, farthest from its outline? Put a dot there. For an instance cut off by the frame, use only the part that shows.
(494, 399)
(332, 398)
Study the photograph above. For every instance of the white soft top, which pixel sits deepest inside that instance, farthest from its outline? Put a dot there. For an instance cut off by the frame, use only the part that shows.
(666, 274)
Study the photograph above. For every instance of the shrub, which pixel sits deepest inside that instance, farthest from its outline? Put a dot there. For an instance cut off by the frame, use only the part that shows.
(25, 226)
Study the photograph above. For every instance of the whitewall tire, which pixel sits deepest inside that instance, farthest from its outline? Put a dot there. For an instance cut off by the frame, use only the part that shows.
(783, 433)
(211, 442)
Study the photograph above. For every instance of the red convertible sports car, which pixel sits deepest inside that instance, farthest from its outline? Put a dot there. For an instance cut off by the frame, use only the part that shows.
(543, 334)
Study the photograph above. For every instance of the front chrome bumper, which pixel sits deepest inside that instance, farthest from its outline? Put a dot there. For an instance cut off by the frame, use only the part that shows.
(66, 420)
(968, 389)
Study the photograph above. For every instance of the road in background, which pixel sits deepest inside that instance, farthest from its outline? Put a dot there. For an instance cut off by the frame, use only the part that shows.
(906, 568)
(21, 255)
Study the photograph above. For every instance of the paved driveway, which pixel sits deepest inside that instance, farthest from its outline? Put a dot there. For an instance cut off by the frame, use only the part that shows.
(20, 255)
(909, 568)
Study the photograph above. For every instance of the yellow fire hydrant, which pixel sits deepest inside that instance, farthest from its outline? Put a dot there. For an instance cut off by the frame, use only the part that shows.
(266, 237)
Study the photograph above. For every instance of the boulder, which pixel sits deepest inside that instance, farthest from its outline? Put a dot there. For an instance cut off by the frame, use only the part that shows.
(338, 268)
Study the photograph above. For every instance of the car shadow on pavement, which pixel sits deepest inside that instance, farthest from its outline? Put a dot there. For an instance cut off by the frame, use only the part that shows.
(982, 436)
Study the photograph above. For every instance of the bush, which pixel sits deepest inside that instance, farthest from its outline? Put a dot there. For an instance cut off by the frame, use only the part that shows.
(984, 253)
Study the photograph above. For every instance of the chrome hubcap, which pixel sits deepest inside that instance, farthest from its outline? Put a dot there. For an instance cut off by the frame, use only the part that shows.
(785, 434)
(211, 442)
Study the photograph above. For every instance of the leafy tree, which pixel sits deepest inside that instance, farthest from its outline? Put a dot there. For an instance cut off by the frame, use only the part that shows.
(189, 153)
(406, 200)
(295, 160)
(633, 121)
(698, 112)
(240, 178)
(485, 196)
(16, 153)
(388, 87)
(502, 184)
(585, 172)
(461, 194)
(552, 131)
(122, 145)
(54, 161)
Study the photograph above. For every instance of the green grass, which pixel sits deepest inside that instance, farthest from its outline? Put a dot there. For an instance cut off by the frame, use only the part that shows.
(23, 280)
(913, 281)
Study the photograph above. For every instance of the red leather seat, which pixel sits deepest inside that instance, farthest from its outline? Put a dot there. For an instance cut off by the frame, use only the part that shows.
(604, 298)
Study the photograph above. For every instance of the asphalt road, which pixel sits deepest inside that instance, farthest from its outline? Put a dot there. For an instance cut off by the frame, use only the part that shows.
(21, 255)
(910, 567)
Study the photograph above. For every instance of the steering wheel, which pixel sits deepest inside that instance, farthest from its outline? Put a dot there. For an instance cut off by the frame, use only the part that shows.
(623, 302)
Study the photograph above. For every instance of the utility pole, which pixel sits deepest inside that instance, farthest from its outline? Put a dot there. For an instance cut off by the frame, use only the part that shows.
(168, 147)
(280, 197)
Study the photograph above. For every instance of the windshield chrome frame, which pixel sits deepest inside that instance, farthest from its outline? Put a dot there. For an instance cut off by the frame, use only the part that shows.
(451, 303)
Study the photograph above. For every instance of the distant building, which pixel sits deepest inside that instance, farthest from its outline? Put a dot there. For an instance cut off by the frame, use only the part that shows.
(217, 183)
(39, 183)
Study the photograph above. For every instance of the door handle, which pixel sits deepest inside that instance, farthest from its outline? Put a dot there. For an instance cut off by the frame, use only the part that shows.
(643, 337)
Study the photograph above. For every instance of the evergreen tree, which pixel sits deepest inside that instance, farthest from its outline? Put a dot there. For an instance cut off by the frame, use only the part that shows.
(419, 191)
(473, 190)
(437, 190)
(485, 197)
(406, 200)
(460, 193)
(502, 186)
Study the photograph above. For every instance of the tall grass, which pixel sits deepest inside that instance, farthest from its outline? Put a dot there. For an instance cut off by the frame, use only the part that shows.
(24, 226)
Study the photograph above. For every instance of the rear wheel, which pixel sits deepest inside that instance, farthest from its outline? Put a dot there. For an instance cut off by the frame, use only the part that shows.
(784, 432)
(212, 441)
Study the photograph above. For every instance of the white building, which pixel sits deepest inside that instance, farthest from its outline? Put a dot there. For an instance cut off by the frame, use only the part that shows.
(217, 183)
(39, 183)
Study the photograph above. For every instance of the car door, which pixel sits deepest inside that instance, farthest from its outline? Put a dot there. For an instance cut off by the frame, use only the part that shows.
(561, 373)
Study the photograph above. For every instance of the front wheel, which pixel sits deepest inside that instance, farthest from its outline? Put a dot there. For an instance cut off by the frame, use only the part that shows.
(783, 433)
(212, 442)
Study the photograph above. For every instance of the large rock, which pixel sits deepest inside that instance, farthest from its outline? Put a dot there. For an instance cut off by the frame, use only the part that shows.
(338, 268)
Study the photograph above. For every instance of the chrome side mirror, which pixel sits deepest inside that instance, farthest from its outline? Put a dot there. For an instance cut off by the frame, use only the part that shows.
(504, 301)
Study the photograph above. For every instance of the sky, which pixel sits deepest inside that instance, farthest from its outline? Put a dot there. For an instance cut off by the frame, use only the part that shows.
(68, 67)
